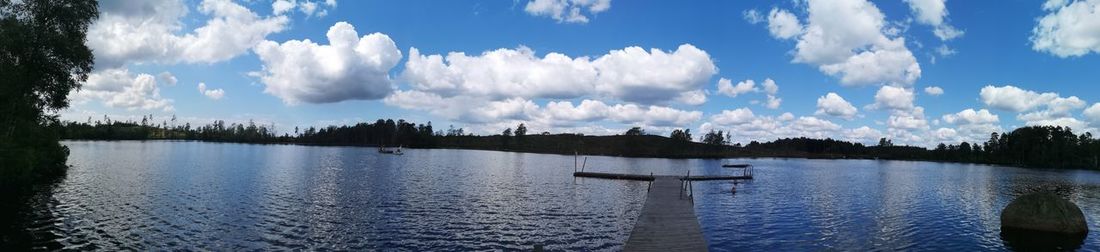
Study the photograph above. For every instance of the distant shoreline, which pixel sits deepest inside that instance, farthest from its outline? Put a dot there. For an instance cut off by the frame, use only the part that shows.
(709, 157)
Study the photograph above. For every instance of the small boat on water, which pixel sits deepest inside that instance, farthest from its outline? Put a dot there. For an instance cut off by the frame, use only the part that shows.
(383, 150)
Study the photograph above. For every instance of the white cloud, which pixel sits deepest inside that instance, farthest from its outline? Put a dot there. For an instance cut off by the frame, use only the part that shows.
(1056, 108)
(944, 51)
(814, 124)
(146, 31)
(726, 87)
(849, 39)
(556, 113)
(1070, 122)
(770, 87)
(213, 94)
(909, 120)
(744, 127)
(784, 25)
(570, 11)
(1068, 30)
(972, 126)
(834, 105)
(118, 88)
(631, 74)
(773, 102)
(894, 98)
(1014, 99)
(733, 117)
(588, 110)
(970, 116)
(1035, 108)
(635, 75)
(349, 67)
(933, 90)
(753, 16)
(696, 97)
(309, 8)
(653, 115)
(934, 13)
(864, 134)
(1093, 114)
(167, 78)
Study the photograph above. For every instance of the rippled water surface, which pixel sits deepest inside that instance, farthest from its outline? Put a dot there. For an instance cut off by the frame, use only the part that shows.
(215, 196)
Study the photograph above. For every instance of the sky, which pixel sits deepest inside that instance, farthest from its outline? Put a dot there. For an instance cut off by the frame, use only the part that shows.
(919, 72)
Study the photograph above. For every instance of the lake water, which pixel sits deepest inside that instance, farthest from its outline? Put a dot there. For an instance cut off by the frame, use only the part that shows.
(216, 196)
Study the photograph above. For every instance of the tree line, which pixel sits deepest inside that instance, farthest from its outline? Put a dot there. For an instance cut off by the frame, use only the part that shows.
(1035, 146)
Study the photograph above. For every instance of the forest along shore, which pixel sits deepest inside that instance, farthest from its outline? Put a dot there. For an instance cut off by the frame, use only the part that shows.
(1033, 146)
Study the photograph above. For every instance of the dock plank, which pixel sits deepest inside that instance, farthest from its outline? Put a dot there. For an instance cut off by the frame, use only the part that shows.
(667, 222)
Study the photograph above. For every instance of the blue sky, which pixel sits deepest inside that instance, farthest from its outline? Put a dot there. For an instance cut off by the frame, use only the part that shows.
(846, 69)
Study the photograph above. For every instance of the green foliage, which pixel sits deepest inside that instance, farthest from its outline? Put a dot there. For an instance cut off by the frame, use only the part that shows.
(714, 138)
(521, 130)
(681, 135)
(42, 59)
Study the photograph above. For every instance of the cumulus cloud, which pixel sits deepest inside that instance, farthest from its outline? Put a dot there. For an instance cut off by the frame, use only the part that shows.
(933, 90)
(752, 16)
(972, 126)
(696, 97)
(848, 39)
(631, 74)
(1093, 114)
(118, 88)
(167, 78)
(833, 105)
(773, 102)
(971, 116)
(910, 120)
(309, 8)
(348, 68)
(934, 13)
(1014, 99)
(894, 98)
(213, 94)
(726, 87)
(569, 11)
(744, 126)
(147, 31)
(733, 117)
(471, 109)
(784, 25)
(1069, 29)
(1035, 108)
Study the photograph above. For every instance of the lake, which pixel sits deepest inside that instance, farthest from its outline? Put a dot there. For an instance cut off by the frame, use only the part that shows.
(154, 195)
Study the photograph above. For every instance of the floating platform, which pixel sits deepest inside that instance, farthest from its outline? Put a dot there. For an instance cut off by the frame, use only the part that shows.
(614, 176)
(704, 178)
(737, 165)
(621, 176)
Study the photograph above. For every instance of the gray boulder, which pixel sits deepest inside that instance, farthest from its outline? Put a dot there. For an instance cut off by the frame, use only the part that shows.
(1044, 212)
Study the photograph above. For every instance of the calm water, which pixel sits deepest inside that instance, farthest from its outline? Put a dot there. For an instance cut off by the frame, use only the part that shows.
(150, 195)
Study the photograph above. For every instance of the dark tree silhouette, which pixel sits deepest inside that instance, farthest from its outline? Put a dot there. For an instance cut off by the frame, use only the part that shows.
(635, 131)
(681, 135)
(42, 58)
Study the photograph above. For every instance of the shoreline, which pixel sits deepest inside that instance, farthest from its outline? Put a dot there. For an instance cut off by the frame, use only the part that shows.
(565, 153)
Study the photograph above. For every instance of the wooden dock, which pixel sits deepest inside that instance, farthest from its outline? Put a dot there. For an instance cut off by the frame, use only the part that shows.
(668, 221)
